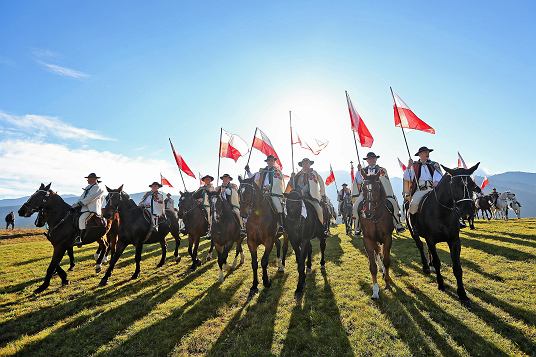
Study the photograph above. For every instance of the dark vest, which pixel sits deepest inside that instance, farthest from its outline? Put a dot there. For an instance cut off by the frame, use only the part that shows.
(417, 170)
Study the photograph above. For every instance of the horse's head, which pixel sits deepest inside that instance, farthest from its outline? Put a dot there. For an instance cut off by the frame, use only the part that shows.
(114, 197)
(293, 204)
(36, 201)
(462, 187)
(373, 194)
(217, 205)
(187, 202)
(247, 192)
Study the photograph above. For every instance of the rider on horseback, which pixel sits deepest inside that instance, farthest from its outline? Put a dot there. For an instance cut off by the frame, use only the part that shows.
(169, 203)
(373, 169)
(309, 183)
(202, 197)
(270, 179)
(494, 196)
(153, 202)
(342, 195)
(90, 203)
(229, 192)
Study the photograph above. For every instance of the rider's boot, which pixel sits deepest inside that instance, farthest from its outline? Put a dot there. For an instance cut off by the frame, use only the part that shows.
(281, 228)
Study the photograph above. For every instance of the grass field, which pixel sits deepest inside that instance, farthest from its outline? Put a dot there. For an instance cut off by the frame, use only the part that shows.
(170, 311)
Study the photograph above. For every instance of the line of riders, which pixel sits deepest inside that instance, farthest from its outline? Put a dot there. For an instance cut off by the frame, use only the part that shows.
(420, 177)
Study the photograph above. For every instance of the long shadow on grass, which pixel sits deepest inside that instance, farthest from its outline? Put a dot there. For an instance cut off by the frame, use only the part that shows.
(494, 249)
(521, 238)
(475, 344)
(410, 323)
(335, 249)
(35, 321)
(315, 325)
(160, 338)
(257, 324)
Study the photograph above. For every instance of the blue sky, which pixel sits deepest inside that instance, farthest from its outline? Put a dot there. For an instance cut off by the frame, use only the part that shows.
(114, 80)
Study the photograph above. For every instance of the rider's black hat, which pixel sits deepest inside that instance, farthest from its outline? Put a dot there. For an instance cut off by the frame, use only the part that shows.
(93, 175)
(207, 177)
(371, 155)
(305, 160)
(226, 175)
(270, 157)
(423, 148)
(155, 183)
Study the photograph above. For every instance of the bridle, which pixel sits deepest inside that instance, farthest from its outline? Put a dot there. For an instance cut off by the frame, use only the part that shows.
(373, 205)
(466, 193)
(35, 209)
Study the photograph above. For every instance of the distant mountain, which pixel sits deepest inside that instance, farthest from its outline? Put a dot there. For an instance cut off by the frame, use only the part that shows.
(523, 184)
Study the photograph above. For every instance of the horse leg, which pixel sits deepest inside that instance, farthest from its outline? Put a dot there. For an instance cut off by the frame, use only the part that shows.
(59, 251)
(370, 248)
(264, 264)
(254, 266)
(424, 261)
(301, 253)
(322, 253)
(137, 258)
(437, 266)
(177, 245)
(120, 247)
(284, 257)
(163, 246)
(62, 274)
(211, 249)
(71, 258)
(238, 249)
(102, 249)
(278, 254)
(387, 260)
(221, 262)
(455, 250)
(309, 260)
(196, 261)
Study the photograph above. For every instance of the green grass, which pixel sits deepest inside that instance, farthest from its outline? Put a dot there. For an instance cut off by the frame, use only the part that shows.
(170, 311)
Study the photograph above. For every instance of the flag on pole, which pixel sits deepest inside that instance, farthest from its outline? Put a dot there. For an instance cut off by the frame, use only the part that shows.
(164, 181)
(180, 162)
(461, 161)
(485, 182)
(232, 146)
(262, 143)
(313, 145)
(405, 118)
(331, 177)
(358, 125)
(402, 166)
(352, 175)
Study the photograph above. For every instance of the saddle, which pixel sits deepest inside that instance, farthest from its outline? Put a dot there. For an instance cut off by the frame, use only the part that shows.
(387, 205)
(95, 221)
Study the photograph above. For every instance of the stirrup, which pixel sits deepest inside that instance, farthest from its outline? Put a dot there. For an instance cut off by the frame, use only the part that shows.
(400, 229)
(78, 241)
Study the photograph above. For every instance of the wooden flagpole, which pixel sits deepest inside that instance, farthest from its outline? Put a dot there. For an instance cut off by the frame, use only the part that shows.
(401, 127)
(334, 179)
(180, 171)
(291, 140)
(251, 149)
(219, 159)
(355, 140)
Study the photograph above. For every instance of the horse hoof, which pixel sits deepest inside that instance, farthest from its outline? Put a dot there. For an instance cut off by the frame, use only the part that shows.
(298, 295)
(105, 259)
(308, 271)
(40, 289)
(103, 282)
(95, 256)
(426, 270)
(178, 259)
(159, 265)
(198, 262)
(465, 301)
(134, 276)
(71, 268)
(98, 269)
(323, 267)
(66, 282)
(267, 283)
(281, 269)
(375, 291)
(252, 293)
(441, 287)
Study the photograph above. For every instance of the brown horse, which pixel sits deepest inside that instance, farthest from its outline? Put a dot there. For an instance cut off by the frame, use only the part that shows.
(376, 220)
(63, 227)
(195, 223)
(112, 234)
(261, 227)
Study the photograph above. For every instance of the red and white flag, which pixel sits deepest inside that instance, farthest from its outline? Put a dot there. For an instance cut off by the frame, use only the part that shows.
(164, 181)
(352, 174)
(358, 125)
(461, 161)
(180, 162)
(484, 183)
(405, 118)
(262, 143)
(331, 178)
(313, 145)
(402, 166)
(232, 146)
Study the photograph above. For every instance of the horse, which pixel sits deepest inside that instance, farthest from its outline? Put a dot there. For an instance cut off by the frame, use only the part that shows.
(438, 221)
(261, 227)
(224, 231)
(195, 221)
(111, 236)
(346, 213)
(40, 222)
(63, 223)
(470, 216)
(500, 208)
(377, 226)
(516, 207)
(300, 231)
(136, 228)
(483, 204)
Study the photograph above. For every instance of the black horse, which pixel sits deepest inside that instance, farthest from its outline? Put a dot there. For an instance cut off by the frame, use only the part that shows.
(346, 214)
(438, 221)
(40, 222)
(261, 227)
(136, 229)
(225, 231)
(63, 223)
(300, 231)
(195, 222)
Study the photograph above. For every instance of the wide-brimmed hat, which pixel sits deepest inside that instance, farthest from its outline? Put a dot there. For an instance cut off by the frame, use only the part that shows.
(371, 155)
(168, 194)
(226, 175)
(270, 157)
(344, 184)
(155, 183)
(207, 177)
(93, 175)
(423, 148)
(305, 160)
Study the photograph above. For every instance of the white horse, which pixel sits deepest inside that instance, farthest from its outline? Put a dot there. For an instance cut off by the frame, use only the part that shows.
(500, 209)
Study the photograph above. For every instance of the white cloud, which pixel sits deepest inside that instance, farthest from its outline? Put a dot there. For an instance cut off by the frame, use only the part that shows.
(25, 164)
(41, 126)
(63, 71)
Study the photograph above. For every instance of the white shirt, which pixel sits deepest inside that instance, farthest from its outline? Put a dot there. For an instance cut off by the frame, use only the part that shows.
(91, 199)
(409, 175)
